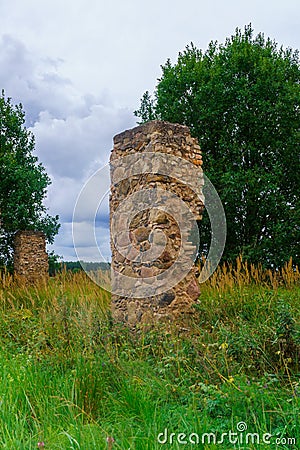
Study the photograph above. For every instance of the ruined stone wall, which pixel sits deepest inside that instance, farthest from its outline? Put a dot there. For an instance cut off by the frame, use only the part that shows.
(156, 192)
(30, 256)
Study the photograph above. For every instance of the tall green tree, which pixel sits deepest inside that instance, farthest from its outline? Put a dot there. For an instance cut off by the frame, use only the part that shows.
(241, 100)
(23, 182)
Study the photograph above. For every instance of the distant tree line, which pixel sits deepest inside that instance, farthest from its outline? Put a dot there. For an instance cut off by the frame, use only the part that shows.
(56, 266)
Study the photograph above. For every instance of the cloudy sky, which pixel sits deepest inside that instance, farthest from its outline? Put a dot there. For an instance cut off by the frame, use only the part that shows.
(80, 68)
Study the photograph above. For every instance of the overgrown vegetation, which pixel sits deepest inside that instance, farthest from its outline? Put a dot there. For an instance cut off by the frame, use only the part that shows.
(70, 380)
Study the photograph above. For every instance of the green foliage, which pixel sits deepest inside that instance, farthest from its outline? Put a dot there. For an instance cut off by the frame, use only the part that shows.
(71, 379)
(53, 263)
(24, 181)
(74, 266)
(241, 100)
(87, 266)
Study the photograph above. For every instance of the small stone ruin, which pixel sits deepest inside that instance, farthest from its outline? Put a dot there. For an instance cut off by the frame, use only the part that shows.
(156, 191)
(30, 256)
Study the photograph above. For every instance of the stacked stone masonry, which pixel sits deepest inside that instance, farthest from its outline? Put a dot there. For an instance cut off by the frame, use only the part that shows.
(30, 256)
(158, 138)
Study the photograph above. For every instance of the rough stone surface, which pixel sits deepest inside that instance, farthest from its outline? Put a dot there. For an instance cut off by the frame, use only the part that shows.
(154, 225)
(30, 256)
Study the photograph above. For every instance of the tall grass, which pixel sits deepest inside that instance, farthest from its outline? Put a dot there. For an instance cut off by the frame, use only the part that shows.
(72, 380)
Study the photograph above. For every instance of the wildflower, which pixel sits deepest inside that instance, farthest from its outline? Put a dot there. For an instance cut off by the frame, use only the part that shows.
(41, 444)
(224, 346)
(110, 440)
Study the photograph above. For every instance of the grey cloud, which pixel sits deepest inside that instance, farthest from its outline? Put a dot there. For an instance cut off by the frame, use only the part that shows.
(73, 133)
(86, 248)
(36, 83)
(70, 146)
(64, 192)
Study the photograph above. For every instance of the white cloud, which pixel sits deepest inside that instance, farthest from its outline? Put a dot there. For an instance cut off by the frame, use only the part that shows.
(69, 146)
(87, 249)
(73, 64)
(120, 45)
(73, 134)
(35, 81)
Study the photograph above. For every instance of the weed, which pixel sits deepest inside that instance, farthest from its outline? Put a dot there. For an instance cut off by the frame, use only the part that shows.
(69, 379)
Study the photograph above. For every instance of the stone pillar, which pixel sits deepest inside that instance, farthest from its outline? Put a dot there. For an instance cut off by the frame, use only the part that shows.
(156, 191)
(30, 256)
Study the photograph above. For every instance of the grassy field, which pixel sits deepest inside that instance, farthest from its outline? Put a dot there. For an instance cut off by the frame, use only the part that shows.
(71, 380)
